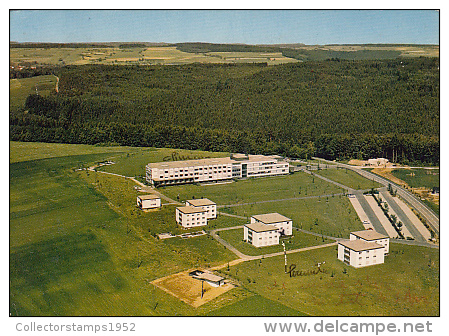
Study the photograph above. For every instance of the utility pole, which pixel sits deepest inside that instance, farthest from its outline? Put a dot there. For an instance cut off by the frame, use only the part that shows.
(285, 258)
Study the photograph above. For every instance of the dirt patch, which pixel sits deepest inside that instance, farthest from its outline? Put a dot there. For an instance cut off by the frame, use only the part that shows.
(422, 192)
(188, 289)
(386, 172)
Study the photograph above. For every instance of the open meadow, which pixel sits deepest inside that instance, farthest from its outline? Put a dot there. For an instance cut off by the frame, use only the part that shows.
(331, 216)
(407, 284)
(80, 247)
(20, 89)
(348, 178)
(255, 190)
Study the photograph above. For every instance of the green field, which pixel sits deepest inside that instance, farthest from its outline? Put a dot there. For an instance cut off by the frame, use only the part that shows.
(348, 178)
(73, 252)
(405, 285)
(332, 216)
(28, 151)
(80, 247)
(254, 190)
(256, 305)
(427, 178)
(297, 240)
(20, 89)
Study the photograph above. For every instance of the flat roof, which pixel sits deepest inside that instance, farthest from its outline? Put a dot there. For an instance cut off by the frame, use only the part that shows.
(190, 209)
(271, 218)
(208, 162)
(201, 202)
(369, 235)
(208, 276)
(360, 245)
(258, 227)
(147, 197)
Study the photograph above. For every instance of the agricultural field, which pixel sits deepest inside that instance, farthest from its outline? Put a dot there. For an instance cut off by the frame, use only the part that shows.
(348, 178)
(20, 89)
(143, 56)
(331, 216)
(298, 240)
(255, 190)
(405, 285)
(405, 51)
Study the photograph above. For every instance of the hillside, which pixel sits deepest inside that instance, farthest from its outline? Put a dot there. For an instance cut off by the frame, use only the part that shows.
(335, 108)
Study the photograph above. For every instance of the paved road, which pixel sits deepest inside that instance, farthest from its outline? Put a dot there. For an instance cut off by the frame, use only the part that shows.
(245, 257)
(402, 216)
(427, 213)
(370, 213)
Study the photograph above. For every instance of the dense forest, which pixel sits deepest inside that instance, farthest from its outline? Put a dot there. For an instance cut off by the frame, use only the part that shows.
(336, 109)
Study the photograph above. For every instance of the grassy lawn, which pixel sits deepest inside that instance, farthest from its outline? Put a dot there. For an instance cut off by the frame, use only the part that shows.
(298, 240)
(73, 251)
(27, 151)
(407, 284)
(253, 190)
(332, 216)
(348, 178)
(133, 162)
(20, 89)
(427, 178)
(256, 305)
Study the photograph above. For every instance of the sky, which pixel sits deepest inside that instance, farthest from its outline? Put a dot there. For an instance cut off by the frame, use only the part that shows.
(226, 26)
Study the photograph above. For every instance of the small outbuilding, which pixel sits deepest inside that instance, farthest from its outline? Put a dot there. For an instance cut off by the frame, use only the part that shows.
(148, 202)
(210, 278)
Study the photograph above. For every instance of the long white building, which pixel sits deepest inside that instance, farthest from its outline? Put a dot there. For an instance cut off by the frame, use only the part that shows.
(215, 169)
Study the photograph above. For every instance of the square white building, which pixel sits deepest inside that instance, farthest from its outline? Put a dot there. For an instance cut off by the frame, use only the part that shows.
(190, 216)
(148, 202)
(359, 253)
(372, 236)
(208, 205)
(283, 223)
(259, 234)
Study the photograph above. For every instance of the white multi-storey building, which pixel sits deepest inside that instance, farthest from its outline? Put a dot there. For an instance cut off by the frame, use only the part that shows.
(372, 236)
(215, 169)
(208, 205)
(190, 216)
(148, 202)
(260, 235)
(364, 248)
(283, 223)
